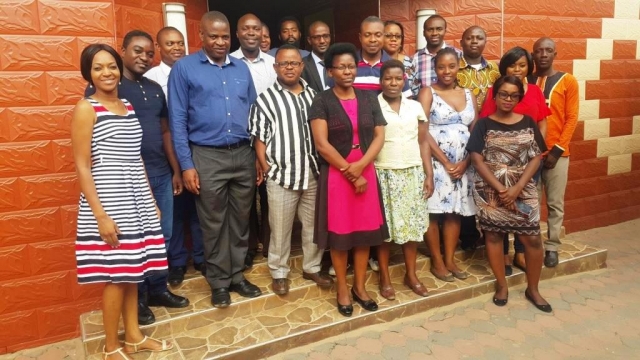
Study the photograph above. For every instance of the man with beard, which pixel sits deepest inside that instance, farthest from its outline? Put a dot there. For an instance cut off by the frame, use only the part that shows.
(149, 103)
(561, 92)
(249, 35)
(478, 75)
(170, 45)
(434, 30)
(210, 94)
(289, 34)
(314, 72)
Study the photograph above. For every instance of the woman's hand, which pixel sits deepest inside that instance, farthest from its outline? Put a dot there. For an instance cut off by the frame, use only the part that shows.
(361, 185)
(508, 196)
(456, 171)
(427, 187)
(158, 212)
(108, 230)
(353, 171)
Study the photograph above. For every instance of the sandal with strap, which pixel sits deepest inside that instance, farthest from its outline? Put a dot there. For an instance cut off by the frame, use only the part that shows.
(165, 346)
(118, 351)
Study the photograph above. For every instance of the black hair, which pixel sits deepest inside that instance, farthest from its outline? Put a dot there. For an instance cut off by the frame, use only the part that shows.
(86, 59)
(471, 28)
(391, 64)
(285, 47)
(396, 23)
(435, 16)
(508, 79)
(135, 33)
(338, 49)
(512, 56)
(166, 29)
(264, 25)
(445, 51)
(289, 18)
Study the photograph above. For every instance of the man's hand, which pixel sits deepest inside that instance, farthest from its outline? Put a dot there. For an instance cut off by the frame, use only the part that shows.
(550, 161)
(177, 184)
(191, 181)
(259, 173)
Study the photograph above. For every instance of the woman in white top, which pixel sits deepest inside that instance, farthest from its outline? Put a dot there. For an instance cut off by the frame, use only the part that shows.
(406, 177)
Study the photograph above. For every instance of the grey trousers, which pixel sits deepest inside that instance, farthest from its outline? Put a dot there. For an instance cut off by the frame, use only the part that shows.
(283, 205)
(554, 182)
(227, 184)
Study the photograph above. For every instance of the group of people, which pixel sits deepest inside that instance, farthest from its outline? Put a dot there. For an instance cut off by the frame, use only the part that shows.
(365, 147)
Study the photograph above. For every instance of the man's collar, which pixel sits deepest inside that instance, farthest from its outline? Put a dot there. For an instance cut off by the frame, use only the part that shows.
(305, 85)
(315, 57)
(164, 67)
(383, 57)
(240, 55)
(204, 58)
(426, 52)
(464, 64)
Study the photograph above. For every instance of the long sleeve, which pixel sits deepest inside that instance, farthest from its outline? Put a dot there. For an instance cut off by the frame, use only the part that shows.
(571, 106)
(178, 115)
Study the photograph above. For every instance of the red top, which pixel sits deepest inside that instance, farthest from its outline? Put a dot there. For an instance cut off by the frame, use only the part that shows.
(533, 104)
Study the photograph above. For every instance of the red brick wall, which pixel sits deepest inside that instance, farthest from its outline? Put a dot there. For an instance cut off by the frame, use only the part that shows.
(594, 198)
(40, 45)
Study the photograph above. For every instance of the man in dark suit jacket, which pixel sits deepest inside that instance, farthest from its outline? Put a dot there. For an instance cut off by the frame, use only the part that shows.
(314, 72)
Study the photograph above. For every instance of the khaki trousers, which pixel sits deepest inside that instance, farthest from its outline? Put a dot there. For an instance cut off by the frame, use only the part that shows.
(554, 182)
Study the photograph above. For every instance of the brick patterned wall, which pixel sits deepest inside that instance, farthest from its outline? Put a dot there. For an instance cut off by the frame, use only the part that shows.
(597, 41)
(40, 46)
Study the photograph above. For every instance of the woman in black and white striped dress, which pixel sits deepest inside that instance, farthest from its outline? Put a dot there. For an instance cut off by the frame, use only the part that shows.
(119, 240)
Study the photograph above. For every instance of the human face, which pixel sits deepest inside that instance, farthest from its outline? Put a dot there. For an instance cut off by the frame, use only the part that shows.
(343, 70)
(249, 33)
(473, 43)
(319, 38)
(447, 69)
(544, 52)
(138, 55)
(288, 75)
(392, 39)
(216, 39)
(434, 30)
(265, 42)
(507, 97)
(371, 37)
(289, 33)
(171, 46)
(392, 82)
(104, 72)
(519, 69)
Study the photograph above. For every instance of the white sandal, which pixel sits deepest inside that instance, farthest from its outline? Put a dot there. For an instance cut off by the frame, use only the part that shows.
(118, 351)
(165, 346)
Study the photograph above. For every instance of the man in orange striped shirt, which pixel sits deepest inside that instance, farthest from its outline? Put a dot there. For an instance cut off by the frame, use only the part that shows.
(561, 93)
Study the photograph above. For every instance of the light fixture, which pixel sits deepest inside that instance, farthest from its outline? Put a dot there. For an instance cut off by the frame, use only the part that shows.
(175, 15)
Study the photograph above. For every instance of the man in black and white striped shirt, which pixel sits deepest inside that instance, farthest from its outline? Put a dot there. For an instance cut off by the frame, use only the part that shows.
(285, 150)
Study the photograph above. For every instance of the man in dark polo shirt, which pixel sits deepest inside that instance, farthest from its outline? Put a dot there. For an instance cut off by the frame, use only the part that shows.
(149, 103)
(210, 94)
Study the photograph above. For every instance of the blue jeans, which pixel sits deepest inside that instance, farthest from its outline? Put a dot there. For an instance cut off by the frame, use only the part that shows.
(184, 209)
(162, 189)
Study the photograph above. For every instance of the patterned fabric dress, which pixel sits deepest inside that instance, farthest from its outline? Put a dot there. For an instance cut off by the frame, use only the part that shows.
(507, 149)
(450, 130)
(121, 184)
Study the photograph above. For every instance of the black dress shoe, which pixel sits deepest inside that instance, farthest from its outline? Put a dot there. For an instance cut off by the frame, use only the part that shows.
(145, 315)
(168, 299)
(198, 266)
(345, 310)
(176, 275)
(220, 298)
(546, 308)
(550, 259)
(248, 260)
(366, 304)
(508, 270)
(246, 289)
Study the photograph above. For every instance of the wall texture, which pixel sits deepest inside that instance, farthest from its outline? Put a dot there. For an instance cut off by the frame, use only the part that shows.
(597, 41)
(40, 46)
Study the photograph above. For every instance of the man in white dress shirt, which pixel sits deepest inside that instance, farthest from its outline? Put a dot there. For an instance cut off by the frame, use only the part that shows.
(249, 33)
(170, 45)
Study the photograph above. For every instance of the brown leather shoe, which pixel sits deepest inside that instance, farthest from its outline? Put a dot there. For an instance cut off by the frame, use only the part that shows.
(280, 286)
(323, 280)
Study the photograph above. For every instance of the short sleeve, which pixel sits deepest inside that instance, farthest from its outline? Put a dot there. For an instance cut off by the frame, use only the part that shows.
(318, 108)
(476, 139)
(537, 135)
(420, 112)
(378, 117)
(489, 107)
(165, 110)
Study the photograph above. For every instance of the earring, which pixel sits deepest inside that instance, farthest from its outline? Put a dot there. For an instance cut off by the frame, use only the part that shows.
(90, 86)
(119, 83)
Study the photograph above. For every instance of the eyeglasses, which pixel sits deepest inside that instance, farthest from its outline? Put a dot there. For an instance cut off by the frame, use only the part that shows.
(326, 37)
(286, 64)
(393, 36)
(505, 95)
(342, 68)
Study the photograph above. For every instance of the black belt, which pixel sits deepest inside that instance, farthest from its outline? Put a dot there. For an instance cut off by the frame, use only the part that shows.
(233, 146)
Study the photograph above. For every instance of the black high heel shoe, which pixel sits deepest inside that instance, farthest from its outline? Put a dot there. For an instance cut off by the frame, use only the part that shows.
(367, 305)
(345, 310)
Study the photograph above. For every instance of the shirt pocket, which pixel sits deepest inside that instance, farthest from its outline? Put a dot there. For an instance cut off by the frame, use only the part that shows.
(241, 88)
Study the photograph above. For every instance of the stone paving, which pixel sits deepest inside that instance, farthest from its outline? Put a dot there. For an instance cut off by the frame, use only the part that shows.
(596, 316)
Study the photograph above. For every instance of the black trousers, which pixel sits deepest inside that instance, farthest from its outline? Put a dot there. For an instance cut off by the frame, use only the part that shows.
(469, 233)
(227, 186)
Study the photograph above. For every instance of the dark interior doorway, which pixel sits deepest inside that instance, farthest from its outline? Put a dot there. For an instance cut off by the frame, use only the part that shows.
(271, 11)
